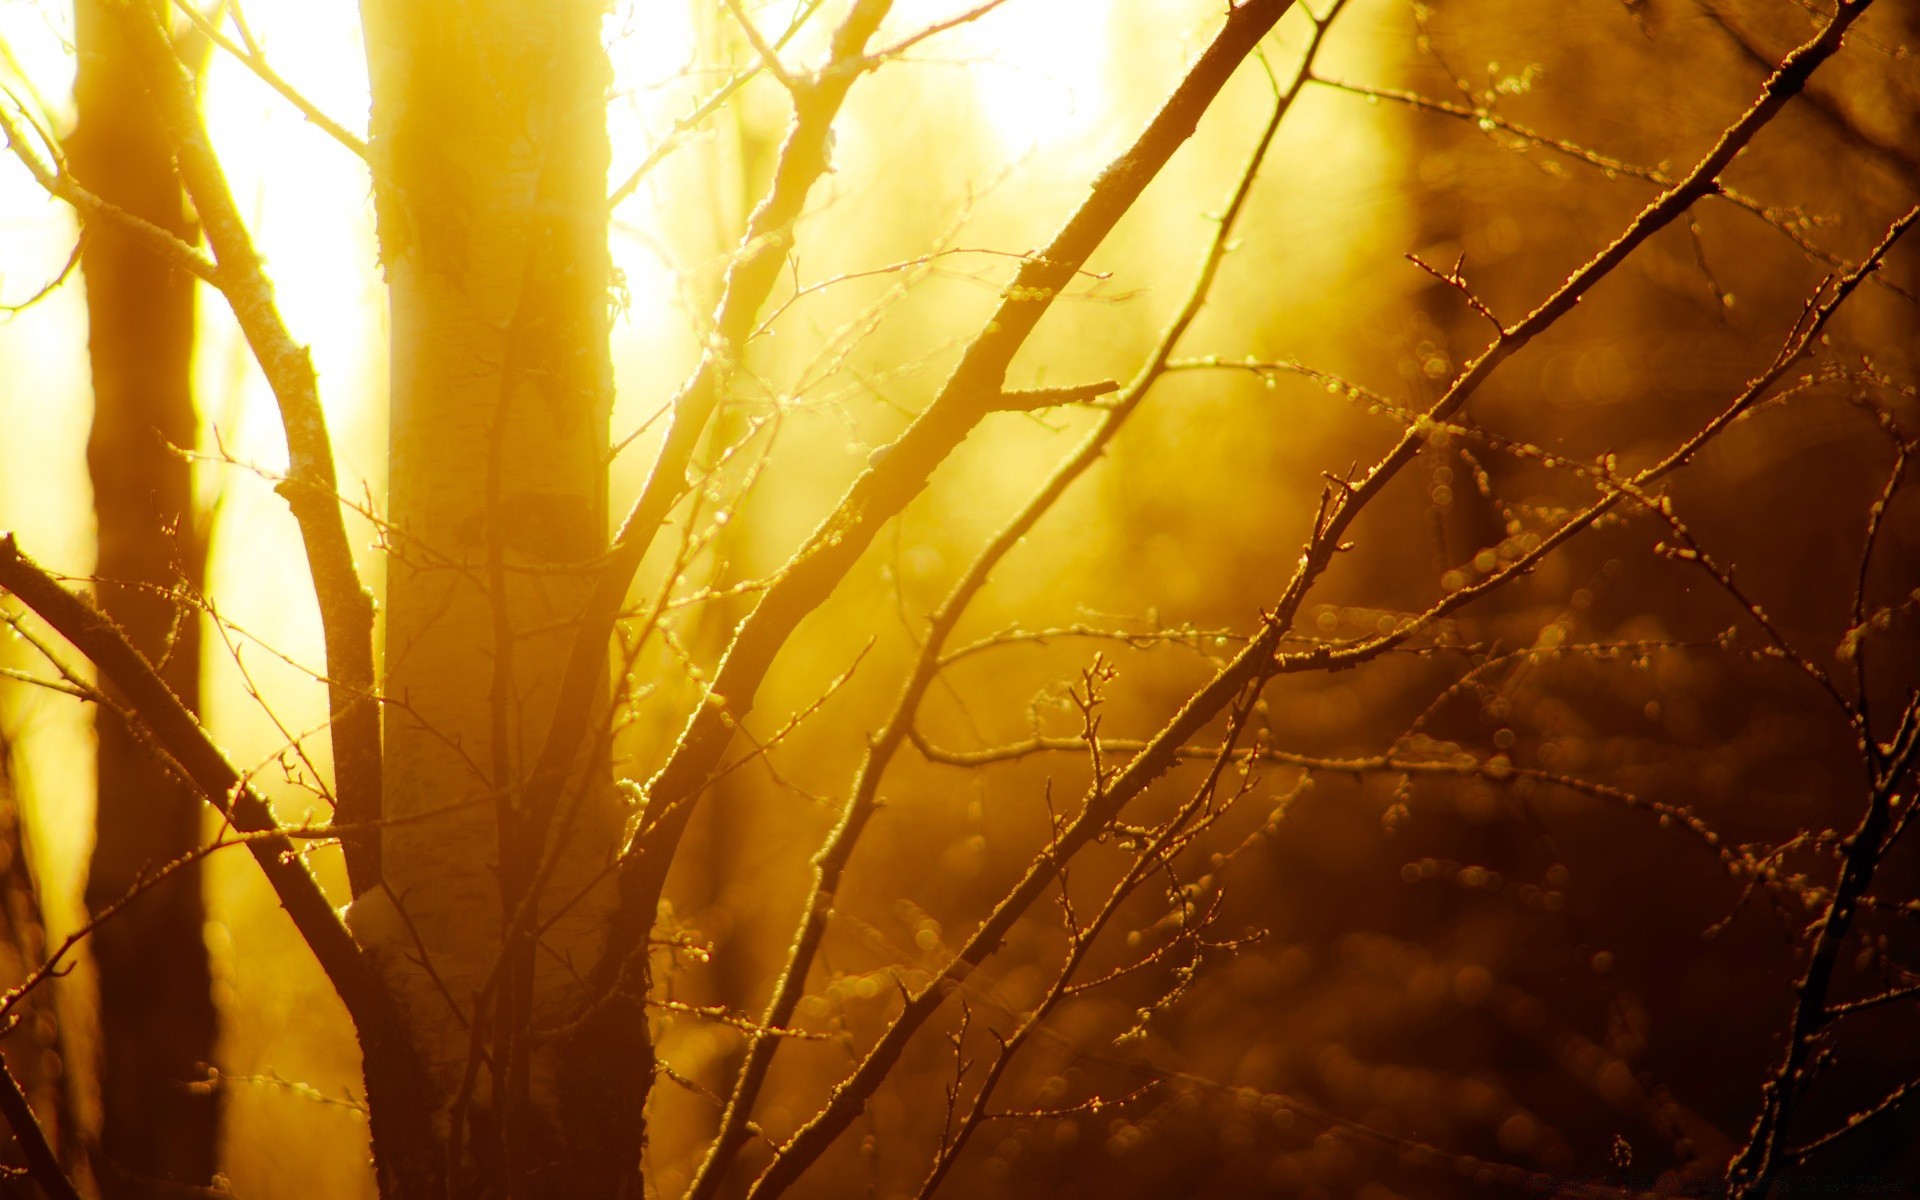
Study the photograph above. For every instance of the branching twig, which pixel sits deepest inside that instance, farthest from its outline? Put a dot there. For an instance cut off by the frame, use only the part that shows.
(250, 57)
(346, 607)
(831, 862)
(1256, 661)
(395, 1078)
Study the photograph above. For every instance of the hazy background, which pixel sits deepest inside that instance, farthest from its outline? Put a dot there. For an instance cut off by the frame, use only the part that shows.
(1519, 975)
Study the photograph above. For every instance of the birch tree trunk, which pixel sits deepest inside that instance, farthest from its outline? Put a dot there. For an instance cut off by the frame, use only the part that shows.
(490, 159)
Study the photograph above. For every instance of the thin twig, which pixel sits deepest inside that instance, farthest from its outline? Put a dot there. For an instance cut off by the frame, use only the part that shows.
(346, 607)
(43, 1165)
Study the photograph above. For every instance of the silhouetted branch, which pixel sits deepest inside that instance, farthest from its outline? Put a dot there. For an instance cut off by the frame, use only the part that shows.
(755, 269)
(1256, 663)
(346, 607)
(394, 1076)
(831, 863)
(901, 472)
(43, 1165)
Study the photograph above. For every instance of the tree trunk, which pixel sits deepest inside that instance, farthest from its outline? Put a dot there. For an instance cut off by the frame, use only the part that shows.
(490, 156)
(37, 1048)
(157, 1020)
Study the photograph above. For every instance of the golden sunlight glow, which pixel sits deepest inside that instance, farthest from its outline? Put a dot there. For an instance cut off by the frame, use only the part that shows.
(1223, 608)
(1047, 84)
(1185, 637)
(44, 406)
(1036, 72)
(306, 201)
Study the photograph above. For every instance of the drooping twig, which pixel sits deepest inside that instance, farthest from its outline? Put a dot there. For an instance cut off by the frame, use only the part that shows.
(1782, 223)
(1455, 280)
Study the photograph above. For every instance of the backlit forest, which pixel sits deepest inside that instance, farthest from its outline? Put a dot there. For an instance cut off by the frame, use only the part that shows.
(1036, 598)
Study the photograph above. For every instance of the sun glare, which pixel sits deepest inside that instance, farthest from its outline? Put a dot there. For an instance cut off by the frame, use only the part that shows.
(1035, 68)
(1207, 597)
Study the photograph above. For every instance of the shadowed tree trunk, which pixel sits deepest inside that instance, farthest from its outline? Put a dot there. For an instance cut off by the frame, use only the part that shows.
(156, 1008)
(36, 1049)
(490, 155)
(157, 1020)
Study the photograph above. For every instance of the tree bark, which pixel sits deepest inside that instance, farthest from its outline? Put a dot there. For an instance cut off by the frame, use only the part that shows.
(490, 156)
(38, 1044)
(157, 1021)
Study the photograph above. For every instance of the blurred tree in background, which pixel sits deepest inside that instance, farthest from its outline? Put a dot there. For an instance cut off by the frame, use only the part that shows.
(156, 1011)
(1124, 600)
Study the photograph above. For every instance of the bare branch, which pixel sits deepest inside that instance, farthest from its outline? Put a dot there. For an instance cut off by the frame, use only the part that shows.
(769, 57)
(250, 57)
(346, 607)
(92, 208)
(43, 1165)
(902, 469)
(1256, 663)
(935, 30)
(394, 1075)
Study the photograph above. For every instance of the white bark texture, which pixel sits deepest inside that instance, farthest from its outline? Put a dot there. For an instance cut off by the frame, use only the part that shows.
(490, 157)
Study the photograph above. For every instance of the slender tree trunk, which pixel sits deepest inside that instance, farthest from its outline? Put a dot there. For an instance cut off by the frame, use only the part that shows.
(490, 155)
(157, 1020)
(37, 1048)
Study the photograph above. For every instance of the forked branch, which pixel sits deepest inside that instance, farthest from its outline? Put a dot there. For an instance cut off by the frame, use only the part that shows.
(395, 1079)
(311, 486)
(1257, 661)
